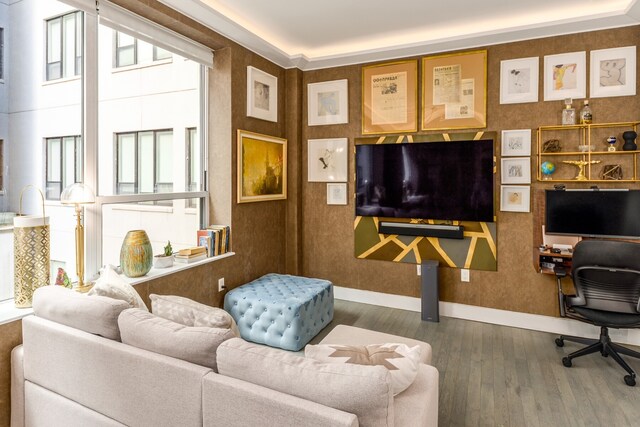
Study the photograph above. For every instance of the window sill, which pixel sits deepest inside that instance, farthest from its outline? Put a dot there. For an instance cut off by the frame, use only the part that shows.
(161, 272)
(9, 313)
(61, 80)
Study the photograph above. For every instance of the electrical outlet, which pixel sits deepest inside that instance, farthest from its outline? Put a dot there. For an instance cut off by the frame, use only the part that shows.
(419, 269)
(221, 286)
(464, 274)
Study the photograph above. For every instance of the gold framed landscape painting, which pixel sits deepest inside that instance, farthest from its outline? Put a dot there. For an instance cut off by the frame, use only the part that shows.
(390, 98)
(262, 167)
(454, 91)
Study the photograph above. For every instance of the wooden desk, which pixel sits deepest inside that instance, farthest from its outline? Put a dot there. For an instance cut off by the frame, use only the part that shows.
(548, 260)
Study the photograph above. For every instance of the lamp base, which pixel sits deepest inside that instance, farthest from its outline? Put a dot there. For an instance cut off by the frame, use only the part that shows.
(86, 287)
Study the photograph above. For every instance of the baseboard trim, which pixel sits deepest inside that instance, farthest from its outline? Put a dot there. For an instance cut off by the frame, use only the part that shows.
(535, 322)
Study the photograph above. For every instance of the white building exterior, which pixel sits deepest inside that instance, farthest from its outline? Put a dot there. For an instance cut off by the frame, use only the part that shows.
(147, 96)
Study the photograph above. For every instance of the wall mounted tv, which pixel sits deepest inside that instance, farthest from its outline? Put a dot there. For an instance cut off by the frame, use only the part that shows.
(593, 213)
(449, 180)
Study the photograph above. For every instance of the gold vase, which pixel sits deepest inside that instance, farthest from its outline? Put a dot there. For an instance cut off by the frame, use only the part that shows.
(136, 255)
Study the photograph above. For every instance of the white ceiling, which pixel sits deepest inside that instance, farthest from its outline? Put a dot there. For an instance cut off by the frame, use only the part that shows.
(319, 34)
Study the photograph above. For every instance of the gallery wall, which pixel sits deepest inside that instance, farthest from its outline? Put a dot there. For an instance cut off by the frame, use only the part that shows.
(328, 244)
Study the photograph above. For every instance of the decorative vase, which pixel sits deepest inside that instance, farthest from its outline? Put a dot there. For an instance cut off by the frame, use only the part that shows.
(163, 261)
(136, 255)
(629, 138)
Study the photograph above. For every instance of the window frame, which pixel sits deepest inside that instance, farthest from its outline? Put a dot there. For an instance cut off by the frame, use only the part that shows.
(1, 58)
(2, 182)
(155, 57)
(78, 155)
(78, 46)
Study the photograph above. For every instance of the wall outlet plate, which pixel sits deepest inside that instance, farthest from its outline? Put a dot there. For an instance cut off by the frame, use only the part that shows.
(464, 274)
(221, 286)
(419, 269)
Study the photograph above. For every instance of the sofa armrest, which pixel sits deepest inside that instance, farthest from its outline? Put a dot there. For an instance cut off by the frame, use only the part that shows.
(417, 406)
(17, 387)
(231, 402)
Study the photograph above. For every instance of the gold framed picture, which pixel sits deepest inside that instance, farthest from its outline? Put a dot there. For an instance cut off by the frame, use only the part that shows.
(454, 91)
(390, 98)
(262, 167)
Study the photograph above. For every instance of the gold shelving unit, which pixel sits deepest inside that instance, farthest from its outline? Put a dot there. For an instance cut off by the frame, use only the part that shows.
(595, 156)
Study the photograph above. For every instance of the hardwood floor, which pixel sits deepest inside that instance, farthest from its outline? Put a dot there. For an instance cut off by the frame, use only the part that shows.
(500, 376)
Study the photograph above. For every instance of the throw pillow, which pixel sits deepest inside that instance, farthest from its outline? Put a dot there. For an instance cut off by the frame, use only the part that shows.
(365, 391)
(401, 360)
(110, 284)
(197, 345)
(191, 313)
(96, 315)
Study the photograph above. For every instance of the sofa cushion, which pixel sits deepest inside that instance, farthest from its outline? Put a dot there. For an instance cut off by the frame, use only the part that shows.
(365, 391)
(401, 360)
(111, 284)
(191, 313)
(197, 345)
(94, 314)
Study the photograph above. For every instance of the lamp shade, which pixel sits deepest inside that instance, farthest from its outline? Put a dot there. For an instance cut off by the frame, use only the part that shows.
(77, 194)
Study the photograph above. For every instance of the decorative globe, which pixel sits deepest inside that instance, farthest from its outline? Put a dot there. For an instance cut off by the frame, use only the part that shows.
(547, 168)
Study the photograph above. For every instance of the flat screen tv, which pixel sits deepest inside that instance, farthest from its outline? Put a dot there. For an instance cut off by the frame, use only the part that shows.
(593, 213)
(451, 180)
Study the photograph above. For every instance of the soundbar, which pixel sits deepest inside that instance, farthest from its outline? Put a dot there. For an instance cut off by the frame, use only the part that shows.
(427, 230)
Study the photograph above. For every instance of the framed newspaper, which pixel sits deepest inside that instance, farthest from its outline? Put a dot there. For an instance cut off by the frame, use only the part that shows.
(390, 98)
(454, 91)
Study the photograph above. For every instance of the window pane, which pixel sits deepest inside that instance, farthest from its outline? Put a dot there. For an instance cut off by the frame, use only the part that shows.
(145, 162)
(126, 158)
(68, 161)
(78, 46)
(1, 54)
(69, 45)
(159, 53)
(79, 160)
(53, 159)
(54, 40)
(164, 159)
(126, 56)
(125, 39)
(145, 52)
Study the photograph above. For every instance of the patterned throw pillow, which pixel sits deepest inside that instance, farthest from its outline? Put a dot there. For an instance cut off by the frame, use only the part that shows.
(401, 360)
(191, 313)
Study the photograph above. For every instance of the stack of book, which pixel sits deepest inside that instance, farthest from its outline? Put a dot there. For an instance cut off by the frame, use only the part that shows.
(189, 255)
(215, 238)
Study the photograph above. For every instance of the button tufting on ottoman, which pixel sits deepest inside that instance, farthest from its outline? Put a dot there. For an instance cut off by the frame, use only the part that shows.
(281, 310)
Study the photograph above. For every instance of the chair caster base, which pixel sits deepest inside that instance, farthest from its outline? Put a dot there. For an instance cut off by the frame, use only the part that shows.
(559, 342)
(630, 380)
(567, 362)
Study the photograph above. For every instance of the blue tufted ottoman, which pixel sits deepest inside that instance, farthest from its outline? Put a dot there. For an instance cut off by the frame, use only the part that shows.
(281, 310)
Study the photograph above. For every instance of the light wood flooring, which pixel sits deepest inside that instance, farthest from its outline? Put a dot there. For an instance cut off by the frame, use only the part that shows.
(500, 376)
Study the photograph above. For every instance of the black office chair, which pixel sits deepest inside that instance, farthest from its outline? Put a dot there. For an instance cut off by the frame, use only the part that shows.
(606, 275)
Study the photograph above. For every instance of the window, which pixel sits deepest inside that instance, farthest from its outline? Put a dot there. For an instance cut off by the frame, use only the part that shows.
(64, 164)
(1, 55)
(130, 51)
(193, 164)
(64, 46)
(144, 162)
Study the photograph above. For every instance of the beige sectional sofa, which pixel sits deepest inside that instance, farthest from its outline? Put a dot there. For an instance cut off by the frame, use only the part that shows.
(65, 376)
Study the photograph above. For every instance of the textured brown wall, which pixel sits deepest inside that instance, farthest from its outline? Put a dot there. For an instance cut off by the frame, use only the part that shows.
(327, 246)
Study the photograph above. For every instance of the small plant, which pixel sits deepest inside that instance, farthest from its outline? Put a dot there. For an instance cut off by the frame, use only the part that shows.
(168, 250)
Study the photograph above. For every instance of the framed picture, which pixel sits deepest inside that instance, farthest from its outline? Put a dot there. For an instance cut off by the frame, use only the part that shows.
(565, 76)
(327, 160)
(516, 170)
(262, 167)
(328, 102)
(515, 198)
(613, 72)
(262, 95)
(337, 194)
(390, 98)
(516, 143)
(454, 91)
(519, 80)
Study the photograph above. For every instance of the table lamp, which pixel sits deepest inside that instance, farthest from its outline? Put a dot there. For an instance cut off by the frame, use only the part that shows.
(79, 194)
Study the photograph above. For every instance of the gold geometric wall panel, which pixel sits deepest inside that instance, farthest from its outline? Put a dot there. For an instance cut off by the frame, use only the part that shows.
(476, 251)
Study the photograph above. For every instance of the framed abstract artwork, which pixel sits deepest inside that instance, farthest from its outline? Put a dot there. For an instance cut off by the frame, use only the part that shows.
(565, 76)
(454, 91)
(328, 103)
(337, 194)
(262, 167)
(327, 160)
(515, 170)
(519, 80)
(516, 143)
(613, 72)
(262, 95)
(390, 98)
(515, 198)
